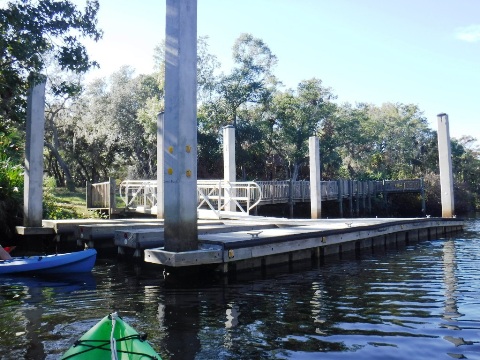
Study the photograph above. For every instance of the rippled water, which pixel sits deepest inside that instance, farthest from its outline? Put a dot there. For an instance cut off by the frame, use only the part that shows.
(418, 302)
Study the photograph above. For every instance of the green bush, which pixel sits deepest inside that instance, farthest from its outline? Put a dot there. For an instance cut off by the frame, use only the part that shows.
(11, 190)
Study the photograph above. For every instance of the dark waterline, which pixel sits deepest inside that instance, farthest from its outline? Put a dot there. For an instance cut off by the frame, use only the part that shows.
(417, 302)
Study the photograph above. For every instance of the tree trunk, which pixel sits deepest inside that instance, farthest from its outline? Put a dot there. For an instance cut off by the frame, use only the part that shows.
(296, 168)
(66, 171)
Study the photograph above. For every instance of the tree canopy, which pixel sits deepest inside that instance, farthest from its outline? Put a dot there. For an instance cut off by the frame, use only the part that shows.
(108, 127)
(29, 32)
(36, 34)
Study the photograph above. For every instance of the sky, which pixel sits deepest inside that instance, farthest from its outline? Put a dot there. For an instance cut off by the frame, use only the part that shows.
(423, 52)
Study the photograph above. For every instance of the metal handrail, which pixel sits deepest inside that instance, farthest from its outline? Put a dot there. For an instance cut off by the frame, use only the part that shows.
(218, 194)
(221, 195)
(138, 192)
(215, 194)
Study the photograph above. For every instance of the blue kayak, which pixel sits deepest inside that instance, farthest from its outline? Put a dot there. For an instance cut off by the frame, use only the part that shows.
(75, 262)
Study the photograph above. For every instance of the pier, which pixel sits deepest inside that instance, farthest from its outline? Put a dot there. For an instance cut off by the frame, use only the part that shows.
(209, 222)
(288, 241)
(140, 196)
(242, 242)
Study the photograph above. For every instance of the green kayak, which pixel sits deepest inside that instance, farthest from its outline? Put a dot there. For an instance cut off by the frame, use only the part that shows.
(111, 333)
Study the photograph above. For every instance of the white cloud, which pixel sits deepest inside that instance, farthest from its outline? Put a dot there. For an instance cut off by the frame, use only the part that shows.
(469, 33)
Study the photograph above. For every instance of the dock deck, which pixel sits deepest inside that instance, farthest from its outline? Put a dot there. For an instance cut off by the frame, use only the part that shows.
(286, 240)
(239, 241)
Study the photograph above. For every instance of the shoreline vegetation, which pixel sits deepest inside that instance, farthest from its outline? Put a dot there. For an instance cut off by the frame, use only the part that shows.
(108, 127)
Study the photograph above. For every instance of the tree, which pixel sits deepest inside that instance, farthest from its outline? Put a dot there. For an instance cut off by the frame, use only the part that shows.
(239, 98)
(110, 130)
(466, 171)
(29, 30)
(344, 145)
(392, 141)
(90, 135)
(250, 82)
(297, 116)
(57, 107)
(11, 183)
(399, 131)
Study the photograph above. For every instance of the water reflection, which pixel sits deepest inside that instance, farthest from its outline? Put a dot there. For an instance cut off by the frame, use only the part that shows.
(419, 302)
(449, 264)
(38, 285)
(232, 316)
(317, 305)
(23, 303)
(181, 319)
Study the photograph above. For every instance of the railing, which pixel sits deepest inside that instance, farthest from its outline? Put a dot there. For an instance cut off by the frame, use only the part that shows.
(396, 186)
(101, 196)
(220, 195)
(217, 195)
(274, 192)
(135, 193)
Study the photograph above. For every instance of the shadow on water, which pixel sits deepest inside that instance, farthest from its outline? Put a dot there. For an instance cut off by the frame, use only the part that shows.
(23, 315)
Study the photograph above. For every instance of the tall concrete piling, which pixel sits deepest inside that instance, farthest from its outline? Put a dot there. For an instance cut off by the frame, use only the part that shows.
(315, 180)
(33, 177)
(180, 127)
(229, 167)
(160, 165)
(445, 161)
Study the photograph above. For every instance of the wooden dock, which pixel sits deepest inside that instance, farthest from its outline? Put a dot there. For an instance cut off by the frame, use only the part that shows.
(287, 241)
(238, 242)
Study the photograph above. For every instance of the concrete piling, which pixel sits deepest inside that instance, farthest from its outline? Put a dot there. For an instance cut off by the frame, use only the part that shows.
(315, 180)
(445, 162)
(229, 167)
(180, 127)
(33, 177)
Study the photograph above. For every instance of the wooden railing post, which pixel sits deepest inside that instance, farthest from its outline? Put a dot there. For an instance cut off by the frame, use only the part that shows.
(290, 197)
(357, 198)
(422, 192)
(340, 197)
(370, 193)
(385, 199)
(364, 195)
(112, 204)
(350, 196)
(272, 192)
(304, 195)
(88, 192)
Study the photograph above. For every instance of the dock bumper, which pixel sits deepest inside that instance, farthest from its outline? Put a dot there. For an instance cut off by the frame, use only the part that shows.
(28, 230)
(205, 255)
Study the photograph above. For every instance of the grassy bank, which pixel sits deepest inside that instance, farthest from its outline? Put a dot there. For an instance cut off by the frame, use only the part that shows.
(61, 203)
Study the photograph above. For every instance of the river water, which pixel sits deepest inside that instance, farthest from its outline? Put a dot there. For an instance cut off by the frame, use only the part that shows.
(416, 302)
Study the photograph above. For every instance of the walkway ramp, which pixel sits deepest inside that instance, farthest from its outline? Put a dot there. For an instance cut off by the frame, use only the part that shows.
(140, 196)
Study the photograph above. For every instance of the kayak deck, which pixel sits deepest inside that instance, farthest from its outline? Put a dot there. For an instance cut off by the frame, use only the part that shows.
(97, 343)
